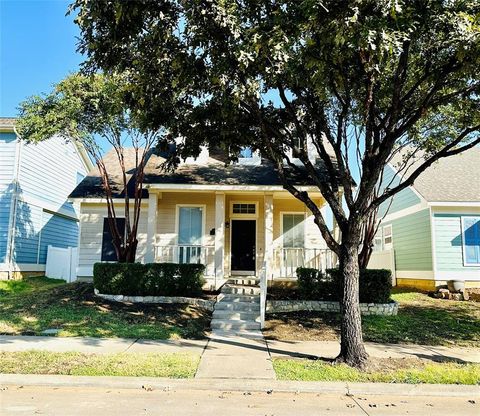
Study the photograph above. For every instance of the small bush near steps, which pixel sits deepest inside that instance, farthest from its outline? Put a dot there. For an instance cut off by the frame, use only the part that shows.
(153, 279)
(375, 285)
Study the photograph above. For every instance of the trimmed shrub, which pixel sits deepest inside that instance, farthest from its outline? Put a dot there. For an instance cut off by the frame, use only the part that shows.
(153, 279)
(314, 285)
(118, 278)
(375, 285)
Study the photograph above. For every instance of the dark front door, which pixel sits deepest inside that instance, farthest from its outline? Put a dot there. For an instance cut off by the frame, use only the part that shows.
(243, 245)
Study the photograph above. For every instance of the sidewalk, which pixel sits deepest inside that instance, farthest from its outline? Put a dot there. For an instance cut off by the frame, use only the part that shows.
(233, 347)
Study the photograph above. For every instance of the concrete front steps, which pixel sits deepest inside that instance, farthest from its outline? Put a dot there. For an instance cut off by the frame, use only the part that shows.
(237, 311)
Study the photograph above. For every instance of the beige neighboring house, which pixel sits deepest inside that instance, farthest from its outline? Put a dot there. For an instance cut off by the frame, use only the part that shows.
(235, 219)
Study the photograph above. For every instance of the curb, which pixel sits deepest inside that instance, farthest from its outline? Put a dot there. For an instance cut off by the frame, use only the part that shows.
(251, 385)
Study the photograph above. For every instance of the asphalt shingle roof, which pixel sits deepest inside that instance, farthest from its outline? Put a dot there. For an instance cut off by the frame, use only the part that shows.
(212, 173)
(451, 179)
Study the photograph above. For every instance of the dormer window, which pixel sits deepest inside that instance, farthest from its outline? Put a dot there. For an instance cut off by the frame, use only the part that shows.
(246, 153)
(248, 157)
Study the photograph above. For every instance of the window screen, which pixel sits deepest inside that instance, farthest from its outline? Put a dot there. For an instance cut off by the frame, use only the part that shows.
(293, 230)
(471, 240)
(190, 226)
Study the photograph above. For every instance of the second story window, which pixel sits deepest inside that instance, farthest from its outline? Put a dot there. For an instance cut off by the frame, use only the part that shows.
(246, 153)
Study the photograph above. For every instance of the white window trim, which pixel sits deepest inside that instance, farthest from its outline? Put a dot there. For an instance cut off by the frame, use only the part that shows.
(464, 256)
(246, 216)
(177, 220)
(282, 214)
(384, 245)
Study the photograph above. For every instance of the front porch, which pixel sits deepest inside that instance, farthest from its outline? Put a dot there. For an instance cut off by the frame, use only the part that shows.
(235, 233)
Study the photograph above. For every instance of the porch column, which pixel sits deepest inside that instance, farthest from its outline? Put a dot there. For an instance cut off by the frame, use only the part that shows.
(151, 226)
(219, 236)
(268, 256)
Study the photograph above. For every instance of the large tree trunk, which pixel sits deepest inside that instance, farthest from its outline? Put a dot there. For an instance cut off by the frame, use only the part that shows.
(127, 254)
(352, 349)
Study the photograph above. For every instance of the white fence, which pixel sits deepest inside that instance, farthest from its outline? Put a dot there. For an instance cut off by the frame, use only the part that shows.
(384, 260)
(62, 263)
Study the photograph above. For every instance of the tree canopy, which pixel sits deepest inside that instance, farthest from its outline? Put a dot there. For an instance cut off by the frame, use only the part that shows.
(357, 81)
(88, 110)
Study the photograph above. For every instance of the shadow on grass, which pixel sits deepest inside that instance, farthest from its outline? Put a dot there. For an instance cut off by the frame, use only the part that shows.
(420, 320)
(426, 324)
(76, 311)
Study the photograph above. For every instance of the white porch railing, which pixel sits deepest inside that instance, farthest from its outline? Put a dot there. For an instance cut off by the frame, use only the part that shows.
(263, 294)
(187, 254)
(288, 259)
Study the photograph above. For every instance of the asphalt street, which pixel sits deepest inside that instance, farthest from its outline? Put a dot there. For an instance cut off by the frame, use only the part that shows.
(86, 401)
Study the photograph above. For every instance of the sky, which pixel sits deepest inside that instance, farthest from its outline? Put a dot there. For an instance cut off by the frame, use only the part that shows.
(37, 49)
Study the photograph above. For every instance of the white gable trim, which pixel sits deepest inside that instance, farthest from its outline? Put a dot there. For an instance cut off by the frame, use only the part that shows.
(455, 204)
(412, 187)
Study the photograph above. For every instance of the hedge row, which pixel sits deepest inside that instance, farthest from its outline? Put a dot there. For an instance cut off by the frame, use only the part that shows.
(375, 285)
(153, 279)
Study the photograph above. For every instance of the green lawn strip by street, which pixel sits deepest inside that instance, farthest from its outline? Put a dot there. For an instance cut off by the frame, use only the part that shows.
(39, 304)
(411, 373)
(174, 365)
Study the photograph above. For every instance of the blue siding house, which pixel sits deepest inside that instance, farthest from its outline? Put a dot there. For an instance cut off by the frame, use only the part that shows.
(433, 227)
(35, 181)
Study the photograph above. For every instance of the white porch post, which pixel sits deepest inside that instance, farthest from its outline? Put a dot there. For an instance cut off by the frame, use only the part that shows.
(268, 199)
(219, 236)
(151, 226)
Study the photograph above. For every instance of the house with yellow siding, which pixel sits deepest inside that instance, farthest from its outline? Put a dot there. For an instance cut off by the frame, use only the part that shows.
(235, 218)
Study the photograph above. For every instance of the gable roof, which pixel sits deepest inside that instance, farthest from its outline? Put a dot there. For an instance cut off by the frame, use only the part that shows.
(215, 172)
(8, 124)
(451, 179)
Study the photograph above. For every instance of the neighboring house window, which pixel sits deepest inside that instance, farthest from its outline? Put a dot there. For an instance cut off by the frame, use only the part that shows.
(387, 237)
(246, 153)
(293, 230)
(471, 241)
(377, 241)
(108, 250)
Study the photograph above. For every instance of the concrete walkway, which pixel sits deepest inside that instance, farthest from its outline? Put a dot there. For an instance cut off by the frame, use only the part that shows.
(236, 347)
(91, 345)
(237, 358)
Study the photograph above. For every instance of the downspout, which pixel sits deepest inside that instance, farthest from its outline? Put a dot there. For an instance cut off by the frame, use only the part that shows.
(13, 212)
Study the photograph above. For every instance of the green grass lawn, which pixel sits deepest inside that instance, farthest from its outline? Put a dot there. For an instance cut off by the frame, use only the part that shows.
(386, 371)
(28, 285)
(78, 364)
(35, 304)
(420, 320)
(425, 320)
